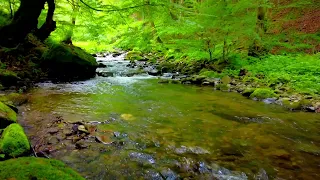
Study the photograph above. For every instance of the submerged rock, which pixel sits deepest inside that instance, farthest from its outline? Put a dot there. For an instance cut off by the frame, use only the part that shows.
(168, 174)
(191, 150)
(36, 168)
(142, 158)
(14, 142)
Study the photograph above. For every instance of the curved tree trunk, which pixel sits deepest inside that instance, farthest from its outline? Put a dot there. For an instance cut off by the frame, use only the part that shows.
(24, 21)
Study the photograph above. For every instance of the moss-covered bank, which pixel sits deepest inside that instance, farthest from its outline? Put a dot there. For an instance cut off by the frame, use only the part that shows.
(36, 168)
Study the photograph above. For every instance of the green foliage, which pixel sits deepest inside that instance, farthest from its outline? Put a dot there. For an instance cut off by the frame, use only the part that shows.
(301, 72)
(14, 142)
(36, 168)
(262, 93)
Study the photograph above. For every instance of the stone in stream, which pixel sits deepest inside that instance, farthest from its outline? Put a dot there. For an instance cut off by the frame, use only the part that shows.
(104, 139)
(152, 175)
(100, 65)
(105, 74)
(168, 174)
(262, 175)
(142, 158)
(53, 130)
(82, 128)
(191, 150)
(82, 144)
(154, 72)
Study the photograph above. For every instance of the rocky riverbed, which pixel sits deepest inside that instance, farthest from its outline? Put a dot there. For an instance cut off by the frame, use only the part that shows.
(127, 124)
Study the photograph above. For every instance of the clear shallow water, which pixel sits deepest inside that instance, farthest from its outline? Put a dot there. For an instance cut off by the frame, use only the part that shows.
(175, 126)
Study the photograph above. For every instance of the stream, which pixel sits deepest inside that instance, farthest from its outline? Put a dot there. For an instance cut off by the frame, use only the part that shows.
(136, 128)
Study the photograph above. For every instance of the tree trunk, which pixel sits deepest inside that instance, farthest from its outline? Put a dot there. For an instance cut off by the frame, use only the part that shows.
(25, 20)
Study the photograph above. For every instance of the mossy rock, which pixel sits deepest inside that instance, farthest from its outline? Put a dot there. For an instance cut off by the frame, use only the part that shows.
(226, 80)
(262, 93)
(295, 105)
(8, 78)
(7, 116)
(14, 142)
(134, 55)
(69, 62)
(222, 87)
(247, 92)
(36, 168)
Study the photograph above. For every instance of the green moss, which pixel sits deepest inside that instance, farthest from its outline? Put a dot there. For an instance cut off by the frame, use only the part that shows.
(291, 105)
(7, 115)
(69, 54)
(14, 142)
(262, 93)
(134, 55)
(226, 80)
(222, 87)
(8, 78)
(248, 91)
(69, 62)
(36, 168)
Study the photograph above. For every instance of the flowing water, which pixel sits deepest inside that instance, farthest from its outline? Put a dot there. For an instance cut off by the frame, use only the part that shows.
(172, 131)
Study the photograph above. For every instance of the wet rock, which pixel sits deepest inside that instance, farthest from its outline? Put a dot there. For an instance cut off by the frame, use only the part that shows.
(53, 140)
(262, 175)
(100, 65)
(186, 165)
(181, 150)
(67, 132)
(116, 134)
(60, 136)
(53, 130)
(152, 175)
(82, 144)
(168, 174)
(82, 128)
(94, 55)
(91, 128)
(75, 127)
(142, 158)
(191, 150)
(270, 101)
(105, 74)
(198, 150)
(154, 72)
(104, 139)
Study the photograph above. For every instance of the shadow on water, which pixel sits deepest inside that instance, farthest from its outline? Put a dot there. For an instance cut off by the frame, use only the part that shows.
(162, 131)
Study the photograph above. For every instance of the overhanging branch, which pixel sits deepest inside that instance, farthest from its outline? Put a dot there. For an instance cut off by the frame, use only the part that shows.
(114, 8)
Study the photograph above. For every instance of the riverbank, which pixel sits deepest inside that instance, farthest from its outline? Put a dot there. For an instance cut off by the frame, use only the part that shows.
(291, 81)
(20, 68)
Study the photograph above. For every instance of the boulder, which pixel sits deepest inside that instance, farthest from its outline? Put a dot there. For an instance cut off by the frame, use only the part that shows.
(68, 62)
(8, 78)
(262, 93)
(36, 168)
(7, 116)
(14, 142)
